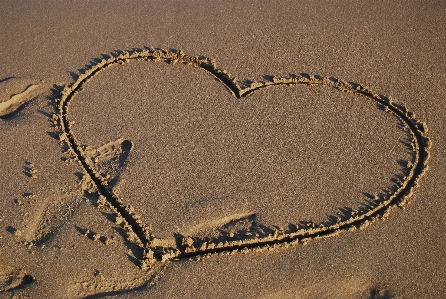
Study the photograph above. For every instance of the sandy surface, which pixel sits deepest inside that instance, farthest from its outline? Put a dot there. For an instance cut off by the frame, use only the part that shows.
(282, 153)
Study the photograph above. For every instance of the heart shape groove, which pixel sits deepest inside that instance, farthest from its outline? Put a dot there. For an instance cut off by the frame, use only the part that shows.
(157, 250)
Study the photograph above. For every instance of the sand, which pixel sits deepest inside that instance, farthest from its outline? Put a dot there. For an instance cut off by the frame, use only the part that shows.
(223, 149)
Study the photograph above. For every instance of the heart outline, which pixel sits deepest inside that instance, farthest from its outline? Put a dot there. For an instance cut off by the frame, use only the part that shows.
(154, 251)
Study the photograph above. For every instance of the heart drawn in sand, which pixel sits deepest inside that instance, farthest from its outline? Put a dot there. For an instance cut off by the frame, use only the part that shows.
(157, 249)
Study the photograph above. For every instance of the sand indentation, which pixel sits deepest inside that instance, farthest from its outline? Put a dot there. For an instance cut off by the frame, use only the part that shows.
(11, 278)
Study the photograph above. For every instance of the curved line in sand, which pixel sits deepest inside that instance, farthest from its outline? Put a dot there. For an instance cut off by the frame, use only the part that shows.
(154, 248)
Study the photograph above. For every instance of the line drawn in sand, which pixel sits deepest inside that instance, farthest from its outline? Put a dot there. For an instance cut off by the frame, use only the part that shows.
(158, 251)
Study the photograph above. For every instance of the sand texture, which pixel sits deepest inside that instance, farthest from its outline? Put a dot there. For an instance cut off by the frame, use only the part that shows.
(172, 149)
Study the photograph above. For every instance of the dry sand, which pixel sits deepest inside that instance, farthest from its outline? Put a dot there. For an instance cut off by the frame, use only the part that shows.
(288, 150)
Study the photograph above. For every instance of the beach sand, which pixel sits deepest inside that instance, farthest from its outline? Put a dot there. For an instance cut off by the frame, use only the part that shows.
(179, 149)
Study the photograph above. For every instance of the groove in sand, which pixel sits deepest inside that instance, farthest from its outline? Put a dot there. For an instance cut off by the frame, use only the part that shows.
(155, 249)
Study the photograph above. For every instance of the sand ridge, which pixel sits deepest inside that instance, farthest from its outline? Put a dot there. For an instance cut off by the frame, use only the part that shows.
(15, 93)
(157, 250)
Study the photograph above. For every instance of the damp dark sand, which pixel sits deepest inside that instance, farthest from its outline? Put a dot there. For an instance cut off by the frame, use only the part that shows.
(282, 153)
